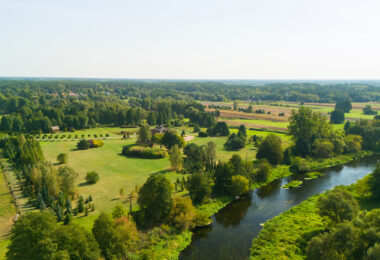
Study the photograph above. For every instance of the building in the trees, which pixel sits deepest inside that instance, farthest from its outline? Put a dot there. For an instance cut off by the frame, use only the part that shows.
(55, 129)
(159, 130)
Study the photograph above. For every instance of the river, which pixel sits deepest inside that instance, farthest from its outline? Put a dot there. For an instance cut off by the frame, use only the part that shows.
(236, 225)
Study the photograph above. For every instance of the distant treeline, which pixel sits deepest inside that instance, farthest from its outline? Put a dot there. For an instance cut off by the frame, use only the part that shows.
(202, 90)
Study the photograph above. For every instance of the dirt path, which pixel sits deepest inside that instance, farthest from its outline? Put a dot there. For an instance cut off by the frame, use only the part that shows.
(188, 138)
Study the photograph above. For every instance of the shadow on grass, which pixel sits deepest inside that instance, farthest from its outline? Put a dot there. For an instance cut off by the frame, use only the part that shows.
(161, 172)
(84, 184)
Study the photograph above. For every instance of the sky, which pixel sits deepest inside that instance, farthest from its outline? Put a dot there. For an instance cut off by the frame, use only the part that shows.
(192, 39)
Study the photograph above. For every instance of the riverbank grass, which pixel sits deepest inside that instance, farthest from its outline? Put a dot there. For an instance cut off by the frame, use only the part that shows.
(292, 184)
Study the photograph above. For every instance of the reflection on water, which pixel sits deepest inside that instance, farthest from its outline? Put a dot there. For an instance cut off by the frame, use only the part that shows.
(233, 213)
(230, 235)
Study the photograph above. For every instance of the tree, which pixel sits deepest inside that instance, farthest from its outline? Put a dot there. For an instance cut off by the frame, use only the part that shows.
(220, 129)
(236, 105)
(338, 205)
(337, 116)
(374, 182)
(323, 149)
(31, 235)
(80, 205)
(62, 158)
(223, 175)
(234, 142)
(155, 198)
(242, 132)
(127, 234)
(104, 231)
(239, 185)
(199, 186)
(271, 149)
(182, 214)
(171, 138)
(299, 165)
(67, 178)
(306, 126)
(368, 110)
(83, 145)
(118, 211)
(344, 105)
(92, 177)
(144, 135)
(175, 158)
(264, 171)
(77, 242)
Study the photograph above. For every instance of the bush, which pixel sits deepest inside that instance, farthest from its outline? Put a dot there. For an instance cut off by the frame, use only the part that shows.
(144, 152)
(281, 114)
(83, 145)
(234, 142)
(239, 185)
(263, 172)
(323, 149)
(299, 165)
(92, 177)
(95, 143)
(202, 134)
(62, 158)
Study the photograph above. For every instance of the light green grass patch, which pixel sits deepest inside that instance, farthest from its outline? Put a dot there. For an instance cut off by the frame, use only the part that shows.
(292, 184)
(313, 175)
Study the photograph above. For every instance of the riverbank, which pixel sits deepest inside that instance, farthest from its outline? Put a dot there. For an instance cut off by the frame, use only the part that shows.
(286, 235)
(279, 172)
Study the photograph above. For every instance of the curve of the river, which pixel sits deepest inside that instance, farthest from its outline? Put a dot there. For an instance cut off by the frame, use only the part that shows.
(235, 226)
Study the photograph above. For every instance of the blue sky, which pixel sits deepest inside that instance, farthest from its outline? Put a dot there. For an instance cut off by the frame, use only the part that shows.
(209, 39)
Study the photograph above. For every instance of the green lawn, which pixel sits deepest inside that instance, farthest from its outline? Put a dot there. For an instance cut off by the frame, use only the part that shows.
(115, 171)
(7, 209)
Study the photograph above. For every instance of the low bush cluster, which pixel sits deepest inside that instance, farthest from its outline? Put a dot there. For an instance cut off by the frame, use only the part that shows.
(144, 152)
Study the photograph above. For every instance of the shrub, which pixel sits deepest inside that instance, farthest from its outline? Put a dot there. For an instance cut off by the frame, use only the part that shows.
(202, 134)
(144, 152)
(263, 172)
(271, 149)
(107, 135)
(239, 185)
(281, 114)
(234, 142)
(62, 158)
(83, 145)
(300, 165)
(95, 143)
(323, 149)
(92, 177)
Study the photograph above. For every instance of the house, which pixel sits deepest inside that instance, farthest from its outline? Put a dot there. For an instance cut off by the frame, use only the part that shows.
(159, 130)
(55, 129)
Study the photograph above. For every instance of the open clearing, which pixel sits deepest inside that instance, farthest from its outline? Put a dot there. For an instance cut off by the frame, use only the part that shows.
(115, 171)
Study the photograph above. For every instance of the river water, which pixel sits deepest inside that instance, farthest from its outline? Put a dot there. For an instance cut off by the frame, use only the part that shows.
(236, 225)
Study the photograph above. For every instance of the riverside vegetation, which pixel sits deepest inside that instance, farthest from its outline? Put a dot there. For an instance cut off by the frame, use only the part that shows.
(186, 188)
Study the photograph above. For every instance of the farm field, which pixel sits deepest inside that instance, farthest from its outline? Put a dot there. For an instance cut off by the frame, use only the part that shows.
(275, 122)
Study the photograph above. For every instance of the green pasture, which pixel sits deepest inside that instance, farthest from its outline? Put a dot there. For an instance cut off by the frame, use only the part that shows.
(115, 171)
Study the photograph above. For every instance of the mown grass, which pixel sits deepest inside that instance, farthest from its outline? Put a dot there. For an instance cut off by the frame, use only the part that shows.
(7, 208)
(3, 248)
(115, 171)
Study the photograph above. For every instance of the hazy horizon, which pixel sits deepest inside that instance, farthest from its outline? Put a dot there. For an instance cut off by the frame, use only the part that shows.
(197, 40)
